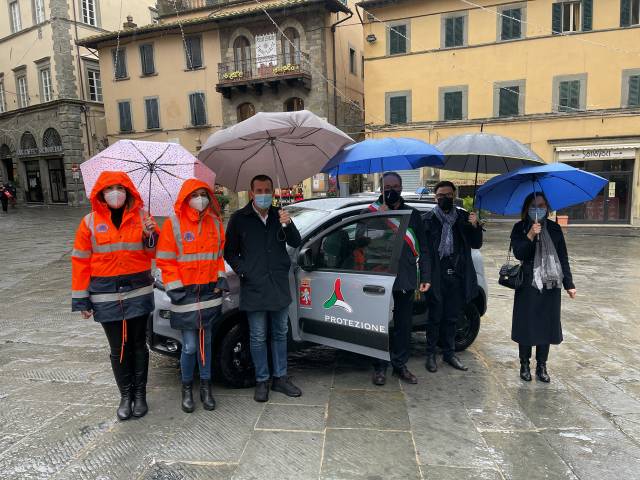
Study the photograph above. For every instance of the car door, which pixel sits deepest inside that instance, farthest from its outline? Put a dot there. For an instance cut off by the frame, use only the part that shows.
(344, 281)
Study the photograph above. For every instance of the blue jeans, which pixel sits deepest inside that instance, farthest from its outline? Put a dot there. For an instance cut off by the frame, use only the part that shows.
(258, 342)
(191, 351)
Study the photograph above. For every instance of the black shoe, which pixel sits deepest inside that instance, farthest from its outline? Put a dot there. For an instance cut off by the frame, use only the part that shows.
(123, 380)
(206, 397)
(455, 363)
(525, 370)
(262, 392)
(379, 378)
(405, 375)
(541, 372)
(431, 364)
(188, 405)
(283, 385)
(141, 368)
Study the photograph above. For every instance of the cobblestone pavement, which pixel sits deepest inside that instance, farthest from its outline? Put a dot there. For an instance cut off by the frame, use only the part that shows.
(58, 398)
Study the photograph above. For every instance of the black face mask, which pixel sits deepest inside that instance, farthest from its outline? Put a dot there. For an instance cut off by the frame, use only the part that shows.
(391, 197)
(445, 203)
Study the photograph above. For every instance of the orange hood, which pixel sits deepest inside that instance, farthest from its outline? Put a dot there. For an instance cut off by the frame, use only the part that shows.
(107, 179)
(182, 203)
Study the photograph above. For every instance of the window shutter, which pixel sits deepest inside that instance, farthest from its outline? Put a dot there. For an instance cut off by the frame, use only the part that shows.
(634, 91)
(516, 24)
(459, 31)
(153, 120)
(508, 101)
(625, 13)
(556, 19)
(196, 104)
(587, 15)
(453, 106)
(125, 116)
(402, 41)
(448, 36)
(575, 94)
(196, 51)
(146, 57)
(398, 110)
(563, 97)
(505, 33)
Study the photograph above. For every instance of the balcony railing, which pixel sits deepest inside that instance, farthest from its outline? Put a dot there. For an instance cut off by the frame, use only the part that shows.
(273, 68)
(169, 7)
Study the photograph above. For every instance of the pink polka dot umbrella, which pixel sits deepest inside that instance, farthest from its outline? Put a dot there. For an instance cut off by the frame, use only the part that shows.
(157, 169)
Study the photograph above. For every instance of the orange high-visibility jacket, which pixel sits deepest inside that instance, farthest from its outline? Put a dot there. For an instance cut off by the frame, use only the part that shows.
(111, 267)
(190, 257)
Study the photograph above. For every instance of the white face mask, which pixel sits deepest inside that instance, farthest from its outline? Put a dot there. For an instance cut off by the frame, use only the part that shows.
(199, 203)
(115, 198)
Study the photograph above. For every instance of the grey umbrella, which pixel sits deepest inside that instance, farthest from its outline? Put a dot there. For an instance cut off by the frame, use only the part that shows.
(485, 153)
(287, 146)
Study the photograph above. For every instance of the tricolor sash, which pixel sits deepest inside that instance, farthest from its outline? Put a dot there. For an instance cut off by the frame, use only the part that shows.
(394, 224)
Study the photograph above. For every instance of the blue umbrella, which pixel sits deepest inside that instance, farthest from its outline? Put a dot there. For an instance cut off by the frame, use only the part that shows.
(562, 184)
(383, 155)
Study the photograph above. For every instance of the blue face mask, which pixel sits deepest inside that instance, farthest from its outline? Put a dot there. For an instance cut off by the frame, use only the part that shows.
(537, 213)
(263, 201)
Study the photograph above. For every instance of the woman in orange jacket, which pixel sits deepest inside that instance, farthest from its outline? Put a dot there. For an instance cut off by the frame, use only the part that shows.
(111, 280)
(190, 257)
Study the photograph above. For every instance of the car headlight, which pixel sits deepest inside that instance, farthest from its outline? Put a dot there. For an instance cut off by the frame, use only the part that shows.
(166, 314)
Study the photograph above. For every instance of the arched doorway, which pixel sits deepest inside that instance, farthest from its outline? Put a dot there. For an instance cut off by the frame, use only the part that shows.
(291, 53)
(293, 104)
(52, 145)
(242, 55)
(245, 110)
(33, 187)
(7, 163)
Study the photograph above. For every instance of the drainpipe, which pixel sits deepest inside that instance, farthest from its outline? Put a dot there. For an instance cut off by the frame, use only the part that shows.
(335, 93)
(81, 80)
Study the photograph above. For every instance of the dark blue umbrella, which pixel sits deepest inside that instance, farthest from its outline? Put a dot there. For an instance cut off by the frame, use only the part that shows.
(562, 184)
(383, 155)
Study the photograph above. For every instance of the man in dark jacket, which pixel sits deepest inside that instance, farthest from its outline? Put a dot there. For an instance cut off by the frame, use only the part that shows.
(451, 233)
(414, 260)
(256, 249)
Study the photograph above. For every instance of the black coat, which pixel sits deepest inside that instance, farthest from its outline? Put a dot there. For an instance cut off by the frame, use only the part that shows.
(258, 254)
(470, 236)
(407, 276)
(536, 315)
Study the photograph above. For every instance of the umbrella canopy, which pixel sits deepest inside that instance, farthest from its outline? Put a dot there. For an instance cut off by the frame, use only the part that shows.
(157, 169)
(288, 146)
(485, 153)
(383, 155)
(562, 184)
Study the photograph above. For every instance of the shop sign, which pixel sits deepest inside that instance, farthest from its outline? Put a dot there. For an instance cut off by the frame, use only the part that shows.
(596, 153)
(39, 151)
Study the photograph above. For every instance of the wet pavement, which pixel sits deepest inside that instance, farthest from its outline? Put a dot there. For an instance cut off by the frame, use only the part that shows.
(58, 398)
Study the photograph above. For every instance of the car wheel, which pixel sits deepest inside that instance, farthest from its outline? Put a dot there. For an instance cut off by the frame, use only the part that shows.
(467, 327)
(233, 357)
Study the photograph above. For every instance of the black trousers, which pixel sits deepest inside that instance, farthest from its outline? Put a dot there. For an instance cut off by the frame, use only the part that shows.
(135, 358)
(443, 316)
(5, 202)
(542, 352)
(400, 337)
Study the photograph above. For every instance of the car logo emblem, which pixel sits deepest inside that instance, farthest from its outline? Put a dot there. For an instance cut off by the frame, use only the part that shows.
(337, 300)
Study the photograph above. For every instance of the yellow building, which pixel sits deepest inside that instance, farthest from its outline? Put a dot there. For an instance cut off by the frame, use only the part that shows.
(562, 77)
(51, 114)
(207, 65)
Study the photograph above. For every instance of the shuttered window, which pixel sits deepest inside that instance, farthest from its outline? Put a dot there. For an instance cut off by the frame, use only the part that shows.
(124, 111)
(197, 108)
(193, 52)
(453, 106)
(569, 96)
(629, 12)
(634, 91)
(509, 98)
(454, 31)
(398, 110)
(120, 62)
(151, 111)
(146, 59)
(572, 16)
(397, 39)
(511, 24)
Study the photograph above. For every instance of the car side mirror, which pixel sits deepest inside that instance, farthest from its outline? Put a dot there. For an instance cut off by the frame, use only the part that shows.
(305, 259)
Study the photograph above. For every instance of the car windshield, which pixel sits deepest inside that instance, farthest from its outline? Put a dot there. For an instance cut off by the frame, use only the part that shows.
(304, 217)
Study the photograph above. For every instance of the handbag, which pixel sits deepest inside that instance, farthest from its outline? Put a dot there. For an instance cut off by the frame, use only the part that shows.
(511, 274)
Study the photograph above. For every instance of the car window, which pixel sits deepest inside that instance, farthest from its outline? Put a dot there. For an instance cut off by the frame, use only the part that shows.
(305, 218)
(365, 245)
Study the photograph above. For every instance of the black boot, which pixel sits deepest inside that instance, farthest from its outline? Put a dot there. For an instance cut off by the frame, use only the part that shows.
(141, 368)
(206, 397)
(541, 372)
(262, 392)
(525, 370)
(431, 364)
(187, 398)
(123, 380)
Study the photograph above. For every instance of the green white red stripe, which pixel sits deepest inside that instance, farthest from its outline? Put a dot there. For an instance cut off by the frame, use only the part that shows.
(394, 224)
